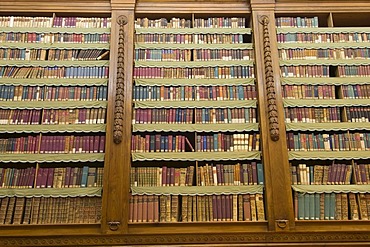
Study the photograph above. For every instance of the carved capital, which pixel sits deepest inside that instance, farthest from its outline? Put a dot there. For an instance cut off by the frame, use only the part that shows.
(120, 82)
(269, 80)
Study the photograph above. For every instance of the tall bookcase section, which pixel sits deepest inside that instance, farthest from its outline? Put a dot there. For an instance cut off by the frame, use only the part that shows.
(325, 79)
(53, 93)
(195, 142)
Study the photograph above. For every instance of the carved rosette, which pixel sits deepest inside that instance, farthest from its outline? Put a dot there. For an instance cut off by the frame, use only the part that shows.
(119, 101)
(269, 80)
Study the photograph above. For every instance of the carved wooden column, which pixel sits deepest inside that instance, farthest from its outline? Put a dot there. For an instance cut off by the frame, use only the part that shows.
(118, 148)
(274, 148)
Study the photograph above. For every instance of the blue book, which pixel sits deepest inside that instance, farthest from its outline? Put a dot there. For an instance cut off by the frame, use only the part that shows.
(301, 206)
(317, 206)
(260, 176)
(332, 206)
(85, 172)
(215, 142)
(312, 206)
(327, 206)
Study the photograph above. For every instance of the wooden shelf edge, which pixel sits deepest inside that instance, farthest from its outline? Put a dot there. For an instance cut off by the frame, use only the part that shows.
(337, 238)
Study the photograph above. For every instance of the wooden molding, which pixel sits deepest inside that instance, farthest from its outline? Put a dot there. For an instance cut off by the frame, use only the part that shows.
(291, 237)
(269, 80)
(120, 85)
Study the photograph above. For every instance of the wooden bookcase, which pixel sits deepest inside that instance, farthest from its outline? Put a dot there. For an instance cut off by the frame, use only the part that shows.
(280, 226)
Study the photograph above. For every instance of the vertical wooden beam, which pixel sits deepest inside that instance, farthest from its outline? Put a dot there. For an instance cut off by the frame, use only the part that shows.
(118, 144)
(278, 194)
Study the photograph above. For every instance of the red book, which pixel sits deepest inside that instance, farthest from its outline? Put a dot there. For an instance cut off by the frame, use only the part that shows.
(102, 144)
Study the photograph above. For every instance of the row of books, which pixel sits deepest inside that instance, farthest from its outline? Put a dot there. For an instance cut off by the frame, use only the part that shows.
(53, 177)
(204, 115)
(226, 115)
(308, 91)
(328, 142)
(207, 175)
(186, 208)
(358, 114)
(54, 72)
(321, 174)
(337, 37)
(220, 22)
(224, 174)
(179, 93)
(162, 23)
(223, 142)
(191, 55)
(162, 115)
(305, 71)
(52, 54)
(159, 143)
(309, 54)
(312, 115)
(161, 176)
(214, 22)
(297, 21)
(332, 206)
(163, 38)
(58, 116)
(361, 173)
(59, 37)
(354, 71)
(49, 210)
(356, 91)
(52, 93)
(56, 21)
(195, 73)
(53, 144)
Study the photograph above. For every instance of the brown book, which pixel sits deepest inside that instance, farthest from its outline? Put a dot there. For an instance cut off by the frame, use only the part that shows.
(338, 206)
(3, 209)
(27, 211)
(260, 207)
(145, 208)
(162, 208)
(210, 208)
(353, 206)
(247, 208)
(363, 206)
(10, 211)
(174, 208)
(252, 199)
(194, 208)
(131, 207)
(184, 208)
(344, 210)
(18, 210)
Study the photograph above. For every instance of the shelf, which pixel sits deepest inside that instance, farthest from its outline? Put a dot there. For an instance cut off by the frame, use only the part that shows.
(295, 62)
(323, 30)
(53, 63)
(55, 30)
(193, 64)
(323, 45)
(198, 190)
(325, 102)
(327, 126)
(52, 104)
(196, 156)
(197, 104)
(206, 127)
(243, 46)
(195, 82)
(54, 81)
(349, 188)
(51, 158)
(51, 192)
(52, 128)
(57, 45)
(325, 80)
(194, 30)
(328, 155)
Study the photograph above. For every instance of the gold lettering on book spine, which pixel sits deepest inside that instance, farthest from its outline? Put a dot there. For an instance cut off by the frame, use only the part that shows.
(119, 101)
(269, 81)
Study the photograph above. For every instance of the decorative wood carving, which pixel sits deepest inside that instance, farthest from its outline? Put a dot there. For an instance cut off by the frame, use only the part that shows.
(206, 238)
(269, 80)
(120, 83)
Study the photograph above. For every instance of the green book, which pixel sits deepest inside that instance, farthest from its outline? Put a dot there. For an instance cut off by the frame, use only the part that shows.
(301, 205)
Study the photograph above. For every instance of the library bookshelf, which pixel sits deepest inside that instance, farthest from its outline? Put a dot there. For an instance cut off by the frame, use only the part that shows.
(185, 101)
